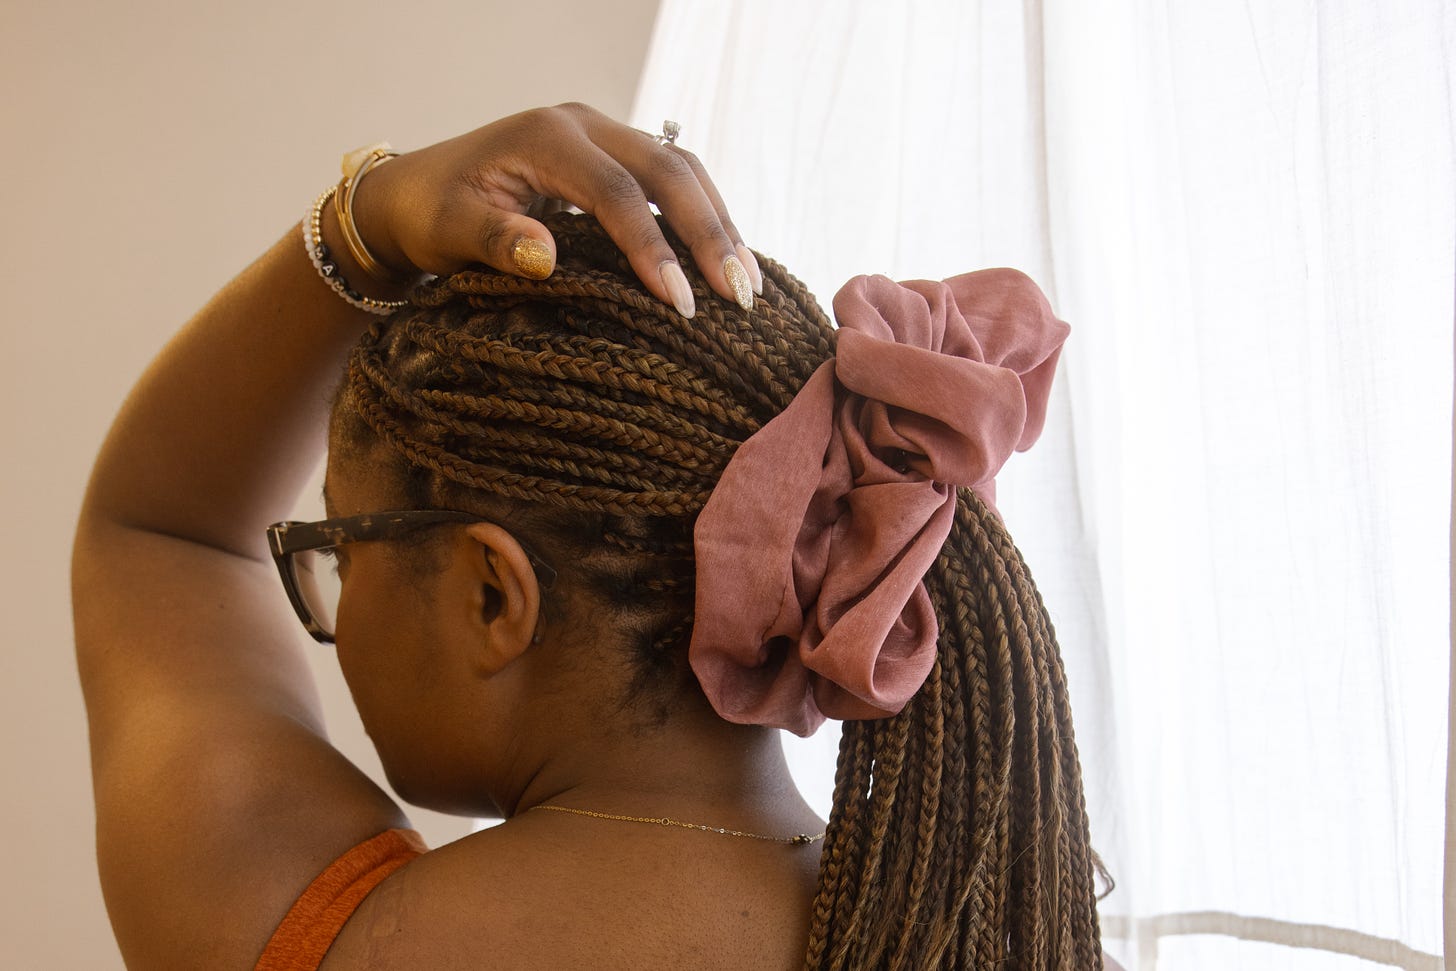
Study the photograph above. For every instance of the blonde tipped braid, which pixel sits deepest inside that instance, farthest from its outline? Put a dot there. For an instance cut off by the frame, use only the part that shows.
(958, 837)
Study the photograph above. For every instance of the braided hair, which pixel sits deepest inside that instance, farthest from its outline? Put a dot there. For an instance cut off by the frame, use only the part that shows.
(601, 420)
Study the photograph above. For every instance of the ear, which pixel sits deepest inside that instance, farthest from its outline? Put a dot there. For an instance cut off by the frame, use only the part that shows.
(503, 597)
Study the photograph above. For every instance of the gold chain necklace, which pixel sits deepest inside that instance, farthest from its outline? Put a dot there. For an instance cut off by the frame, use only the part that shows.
(803, 839)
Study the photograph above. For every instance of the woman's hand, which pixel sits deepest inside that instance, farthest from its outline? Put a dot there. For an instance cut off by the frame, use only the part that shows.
(467, 200)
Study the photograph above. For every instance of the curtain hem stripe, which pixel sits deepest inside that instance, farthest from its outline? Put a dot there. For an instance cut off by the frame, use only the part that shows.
(1318, 937)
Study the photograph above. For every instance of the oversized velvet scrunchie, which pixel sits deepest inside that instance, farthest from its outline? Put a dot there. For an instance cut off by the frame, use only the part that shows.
(812, 549)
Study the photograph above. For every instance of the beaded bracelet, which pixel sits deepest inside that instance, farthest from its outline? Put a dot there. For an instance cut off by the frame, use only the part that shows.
(318, 254)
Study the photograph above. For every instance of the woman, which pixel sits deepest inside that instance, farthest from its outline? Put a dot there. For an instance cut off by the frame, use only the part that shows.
(618, 604)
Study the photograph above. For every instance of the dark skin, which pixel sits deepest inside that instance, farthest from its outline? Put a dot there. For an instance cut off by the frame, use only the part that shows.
(219, 797)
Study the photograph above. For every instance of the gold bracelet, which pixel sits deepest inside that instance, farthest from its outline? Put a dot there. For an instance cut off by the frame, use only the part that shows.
(355, 166)
(318, 254)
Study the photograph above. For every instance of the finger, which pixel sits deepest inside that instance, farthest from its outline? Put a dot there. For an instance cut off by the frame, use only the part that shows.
(545, 206)
(514, 243)
(669, 180)
(745, 255)
(616, 198)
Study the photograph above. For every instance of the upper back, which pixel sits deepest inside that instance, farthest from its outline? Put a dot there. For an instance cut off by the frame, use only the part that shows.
(610, 895)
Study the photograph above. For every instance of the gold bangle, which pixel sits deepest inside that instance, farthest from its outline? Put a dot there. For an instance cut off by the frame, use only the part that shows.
(319, 256)
(355, 166)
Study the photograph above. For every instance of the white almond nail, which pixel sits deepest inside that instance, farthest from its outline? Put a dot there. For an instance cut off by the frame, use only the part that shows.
(755, 276)
(677, 288)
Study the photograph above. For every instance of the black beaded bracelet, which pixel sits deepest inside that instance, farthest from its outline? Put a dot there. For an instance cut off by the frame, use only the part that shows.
(318, 254)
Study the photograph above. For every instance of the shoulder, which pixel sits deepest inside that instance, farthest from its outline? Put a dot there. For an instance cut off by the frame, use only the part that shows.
(313, 922)
(634, 901)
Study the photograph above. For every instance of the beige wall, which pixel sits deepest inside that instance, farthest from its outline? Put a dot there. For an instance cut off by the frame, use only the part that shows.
(150, 150)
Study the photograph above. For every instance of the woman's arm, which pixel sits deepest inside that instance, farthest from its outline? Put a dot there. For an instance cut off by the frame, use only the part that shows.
(218, 796)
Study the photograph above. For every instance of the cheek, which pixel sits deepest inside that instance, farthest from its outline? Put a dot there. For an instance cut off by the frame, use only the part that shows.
(383, 652)
(389, 652)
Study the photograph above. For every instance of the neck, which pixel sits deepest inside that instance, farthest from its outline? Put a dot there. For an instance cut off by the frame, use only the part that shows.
(696, 768)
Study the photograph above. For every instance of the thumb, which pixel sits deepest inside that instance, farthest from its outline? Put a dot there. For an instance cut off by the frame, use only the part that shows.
(520, 245)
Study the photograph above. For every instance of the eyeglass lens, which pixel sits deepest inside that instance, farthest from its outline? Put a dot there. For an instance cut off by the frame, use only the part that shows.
(317, 574)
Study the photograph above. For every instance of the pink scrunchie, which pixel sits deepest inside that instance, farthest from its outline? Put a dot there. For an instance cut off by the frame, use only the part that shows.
(812, 548)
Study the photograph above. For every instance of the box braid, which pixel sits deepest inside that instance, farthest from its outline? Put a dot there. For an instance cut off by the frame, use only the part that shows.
(600, 420)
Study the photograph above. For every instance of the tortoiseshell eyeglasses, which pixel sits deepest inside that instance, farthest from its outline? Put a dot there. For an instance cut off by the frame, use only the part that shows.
(304, 553)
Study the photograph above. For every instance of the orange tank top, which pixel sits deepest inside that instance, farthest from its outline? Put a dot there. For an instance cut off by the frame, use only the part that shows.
(315, 919)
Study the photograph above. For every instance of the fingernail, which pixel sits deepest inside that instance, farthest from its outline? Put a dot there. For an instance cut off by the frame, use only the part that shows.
(738, 281)
(677, 288)
(532, 258)
(755, 275)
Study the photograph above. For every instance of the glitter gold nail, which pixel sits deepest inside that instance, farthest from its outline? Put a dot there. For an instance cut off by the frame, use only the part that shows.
(532, 258)
(738, 281)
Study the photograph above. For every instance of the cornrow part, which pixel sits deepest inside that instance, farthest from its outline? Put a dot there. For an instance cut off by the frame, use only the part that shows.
(681, 548)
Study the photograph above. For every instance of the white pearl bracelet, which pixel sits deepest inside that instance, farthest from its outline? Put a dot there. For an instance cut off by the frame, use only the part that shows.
(318, 254)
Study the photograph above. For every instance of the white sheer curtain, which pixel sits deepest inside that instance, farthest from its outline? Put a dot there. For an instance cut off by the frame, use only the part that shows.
(1239, 512)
